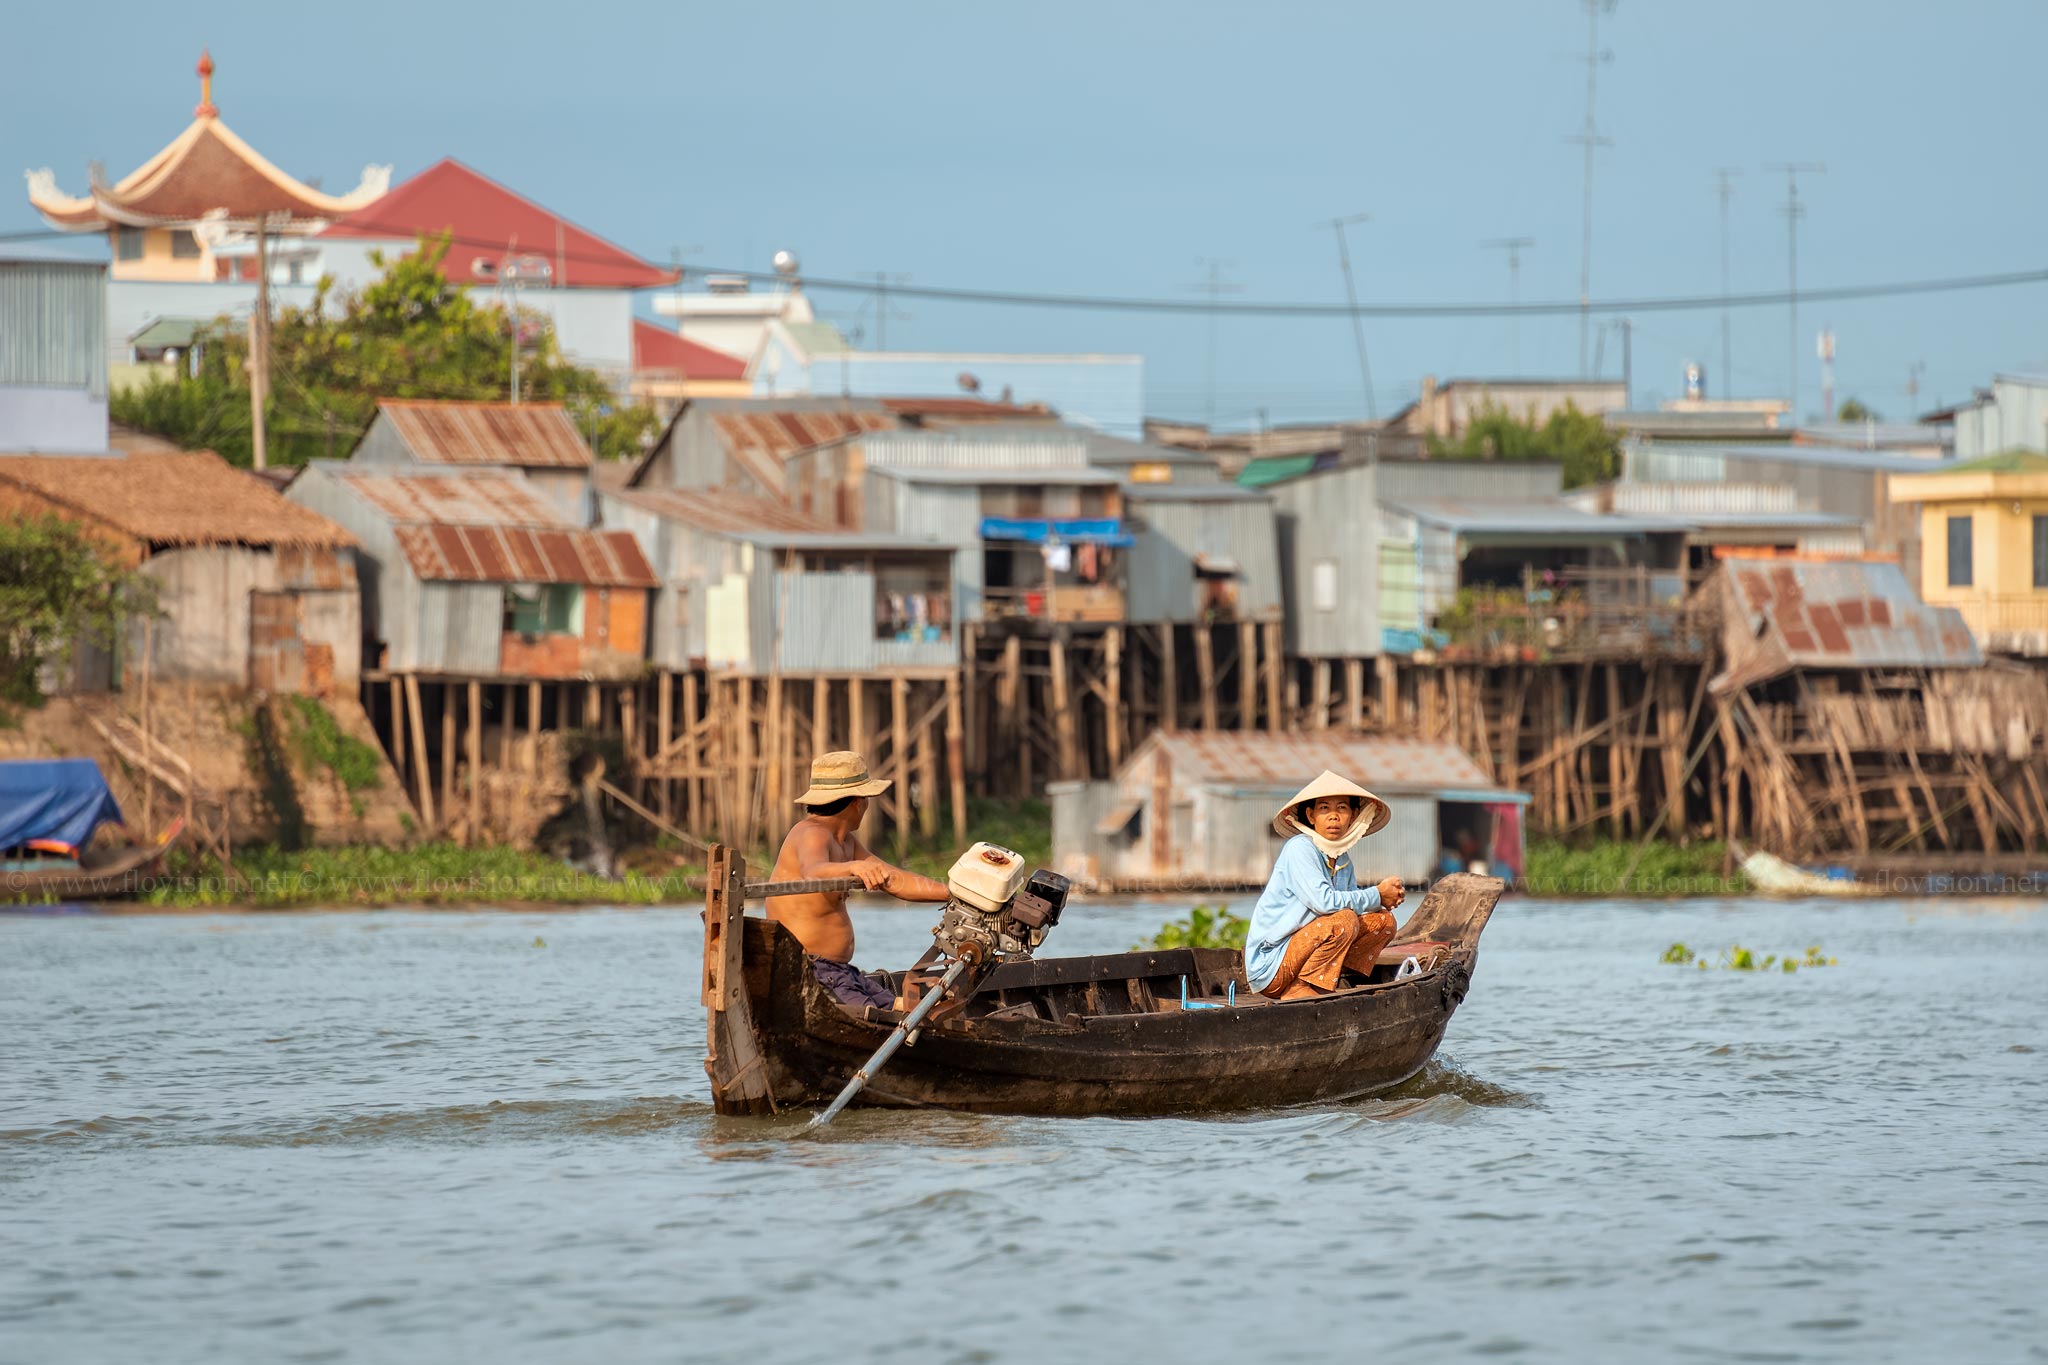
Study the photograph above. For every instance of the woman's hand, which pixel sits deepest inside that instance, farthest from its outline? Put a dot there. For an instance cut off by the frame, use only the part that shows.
(1392, 893)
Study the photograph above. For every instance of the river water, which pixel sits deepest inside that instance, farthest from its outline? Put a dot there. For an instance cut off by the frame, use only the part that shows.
(486, 1136)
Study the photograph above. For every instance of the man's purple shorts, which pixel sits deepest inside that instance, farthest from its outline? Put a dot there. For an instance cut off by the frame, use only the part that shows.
(851, 987)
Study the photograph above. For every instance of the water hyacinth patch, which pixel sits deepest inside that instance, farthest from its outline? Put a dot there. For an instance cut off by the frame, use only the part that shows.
(1736, 958)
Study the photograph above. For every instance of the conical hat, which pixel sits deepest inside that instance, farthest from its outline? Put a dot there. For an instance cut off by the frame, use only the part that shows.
(1376, 812)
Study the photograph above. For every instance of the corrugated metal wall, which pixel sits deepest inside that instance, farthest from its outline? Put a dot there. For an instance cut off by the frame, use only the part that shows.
(53, 324)
(948, 513)
(1331, 518)
(967, 450)
(1161, 580)
(461, 627)
(1493, 480)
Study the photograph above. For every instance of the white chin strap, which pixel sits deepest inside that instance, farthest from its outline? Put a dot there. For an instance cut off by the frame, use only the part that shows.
(1336, 848)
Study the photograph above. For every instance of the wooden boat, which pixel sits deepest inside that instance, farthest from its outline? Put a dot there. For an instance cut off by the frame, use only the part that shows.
(102, 874)
(1081, 1035)
(1774, 876)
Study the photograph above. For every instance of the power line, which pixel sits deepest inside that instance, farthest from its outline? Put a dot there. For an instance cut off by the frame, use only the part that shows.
(1110, 303)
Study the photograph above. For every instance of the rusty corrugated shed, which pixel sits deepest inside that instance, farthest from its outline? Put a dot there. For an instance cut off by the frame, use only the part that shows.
(1384, 763)
(1844, 613)
(480, 497)
(512, 554)
(761, 440)
(523, 435)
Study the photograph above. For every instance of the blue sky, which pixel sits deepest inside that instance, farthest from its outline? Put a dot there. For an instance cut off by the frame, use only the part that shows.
(1104, 148)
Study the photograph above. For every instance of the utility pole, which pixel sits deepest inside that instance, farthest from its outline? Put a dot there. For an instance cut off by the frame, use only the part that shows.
(1722, 189)
(1514, 247)
(259, 349)
(1825, 348)
(1628, 361)
(1214, 287)
(1589, 138)
(1913, 373)
(1793, 212)
(510, 272)
(1341, 226)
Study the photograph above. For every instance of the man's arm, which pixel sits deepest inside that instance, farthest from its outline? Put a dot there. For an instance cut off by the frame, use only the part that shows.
(904, 886)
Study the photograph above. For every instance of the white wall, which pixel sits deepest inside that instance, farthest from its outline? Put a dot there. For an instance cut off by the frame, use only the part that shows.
(37, 419)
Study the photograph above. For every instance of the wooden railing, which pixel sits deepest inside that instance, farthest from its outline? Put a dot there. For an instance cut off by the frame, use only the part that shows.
(1087, 602)
(1582, 612)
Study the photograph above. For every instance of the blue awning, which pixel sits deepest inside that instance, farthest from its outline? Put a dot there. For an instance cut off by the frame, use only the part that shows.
(61, 800)
(1031, 531)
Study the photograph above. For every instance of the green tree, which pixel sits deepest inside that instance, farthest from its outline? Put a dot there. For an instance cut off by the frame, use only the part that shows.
(1854, 410)
(58, 589)
(407, 334)
(1580, 441)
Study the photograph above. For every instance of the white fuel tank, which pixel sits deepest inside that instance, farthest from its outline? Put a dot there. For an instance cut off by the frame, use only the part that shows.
(987, 877)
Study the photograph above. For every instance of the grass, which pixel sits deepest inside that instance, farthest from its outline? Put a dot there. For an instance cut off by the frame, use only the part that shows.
(433, 874)
(320, 742)
(1552, 868)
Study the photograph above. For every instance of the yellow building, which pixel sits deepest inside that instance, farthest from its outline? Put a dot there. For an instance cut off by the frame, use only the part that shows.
(1984, 545)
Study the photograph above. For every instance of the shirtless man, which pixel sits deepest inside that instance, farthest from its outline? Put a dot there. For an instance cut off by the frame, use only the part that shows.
(823, 844)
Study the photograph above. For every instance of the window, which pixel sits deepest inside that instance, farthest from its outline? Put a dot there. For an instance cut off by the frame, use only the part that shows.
(1961, 547)
(2041, 552)
(544, 609)
(1323, 585)
(127, 243)
(913, 599)
(184, 245)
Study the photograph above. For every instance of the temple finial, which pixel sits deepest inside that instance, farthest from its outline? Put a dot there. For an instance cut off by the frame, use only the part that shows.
(206, 107)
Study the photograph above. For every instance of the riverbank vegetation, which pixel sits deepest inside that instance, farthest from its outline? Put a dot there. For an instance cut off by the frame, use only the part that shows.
(1554, 868)
(271, 878)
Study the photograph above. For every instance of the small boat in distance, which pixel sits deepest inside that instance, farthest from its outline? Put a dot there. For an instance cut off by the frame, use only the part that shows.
(1156, 1031)
(49, 810)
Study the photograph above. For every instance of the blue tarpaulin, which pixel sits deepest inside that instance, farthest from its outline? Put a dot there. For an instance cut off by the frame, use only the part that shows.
(62, 800)
(1077, 531)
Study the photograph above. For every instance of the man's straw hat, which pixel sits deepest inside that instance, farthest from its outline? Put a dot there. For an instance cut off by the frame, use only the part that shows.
(1375, 815)
(838, 775)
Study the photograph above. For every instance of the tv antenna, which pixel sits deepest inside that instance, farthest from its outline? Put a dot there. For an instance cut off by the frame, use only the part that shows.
(1341, 226)
(1514, 247)
(1590, 138)
(1793, 211)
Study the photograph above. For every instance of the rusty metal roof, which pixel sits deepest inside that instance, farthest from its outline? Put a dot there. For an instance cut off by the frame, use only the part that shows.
(476, 497)
(514, 554)
(779, 434)
(723, 510)
(1284, 763)
(1839, 613)
(522, 435)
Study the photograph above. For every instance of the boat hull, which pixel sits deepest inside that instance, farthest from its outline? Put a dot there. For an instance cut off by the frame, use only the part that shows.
(1106, 1035)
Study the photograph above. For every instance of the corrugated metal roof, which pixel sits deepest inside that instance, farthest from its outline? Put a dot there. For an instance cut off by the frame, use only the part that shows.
(723, 510)
(1274, 469)
(1061, 476)
(512, 554)
(523, 435)
(473, 497)
(1542, 517)
(838, 539)
(1832, 457)
(1287, 762)
(1846, 613)
(778, 434)
(1192, 492)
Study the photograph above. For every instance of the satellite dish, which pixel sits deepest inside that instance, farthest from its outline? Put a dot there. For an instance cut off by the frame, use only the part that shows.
(786, 264)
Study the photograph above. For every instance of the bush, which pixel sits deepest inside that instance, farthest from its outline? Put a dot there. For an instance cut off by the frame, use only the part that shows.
(1205, 927)
(319, 742)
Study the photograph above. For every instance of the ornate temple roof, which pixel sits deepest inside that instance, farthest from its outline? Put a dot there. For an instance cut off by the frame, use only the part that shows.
(206, 172)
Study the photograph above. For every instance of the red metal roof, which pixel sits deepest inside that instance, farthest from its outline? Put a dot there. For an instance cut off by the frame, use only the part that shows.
(512, 554)
(657, 348)
(488, 222)
(779, 434)
(523, 435)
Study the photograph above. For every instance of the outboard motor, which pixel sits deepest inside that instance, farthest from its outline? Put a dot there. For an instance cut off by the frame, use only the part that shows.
(997, 907)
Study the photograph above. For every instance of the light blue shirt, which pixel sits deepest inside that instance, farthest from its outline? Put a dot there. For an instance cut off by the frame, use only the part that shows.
(1302, 887)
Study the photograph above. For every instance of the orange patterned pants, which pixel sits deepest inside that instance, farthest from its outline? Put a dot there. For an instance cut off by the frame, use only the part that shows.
(1324, 947)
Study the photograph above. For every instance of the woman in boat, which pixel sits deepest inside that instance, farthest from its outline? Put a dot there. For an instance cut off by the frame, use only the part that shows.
(1312, 921)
